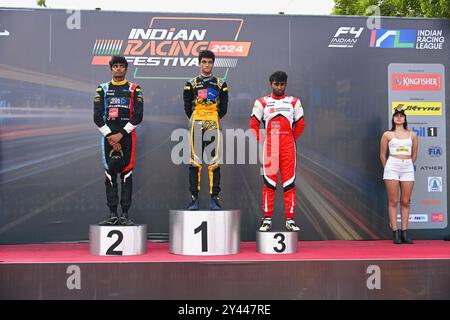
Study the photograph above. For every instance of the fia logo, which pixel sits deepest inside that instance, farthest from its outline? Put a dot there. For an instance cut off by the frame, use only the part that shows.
(435, 151)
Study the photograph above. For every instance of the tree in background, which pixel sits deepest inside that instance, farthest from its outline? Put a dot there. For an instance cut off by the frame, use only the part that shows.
(396, 8)
(41, 3)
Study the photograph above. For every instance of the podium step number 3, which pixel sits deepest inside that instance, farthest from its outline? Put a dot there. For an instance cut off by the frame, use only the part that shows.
(276, 242)
(204, 232)
(118, 240)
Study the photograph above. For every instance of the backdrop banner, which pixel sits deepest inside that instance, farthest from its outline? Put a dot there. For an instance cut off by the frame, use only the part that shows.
(348, 76)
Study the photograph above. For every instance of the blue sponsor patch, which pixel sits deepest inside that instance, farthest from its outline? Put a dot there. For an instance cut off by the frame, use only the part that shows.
(212, 95)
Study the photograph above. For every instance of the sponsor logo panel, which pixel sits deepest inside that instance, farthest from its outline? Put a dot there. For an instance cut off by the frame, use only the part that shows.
(419, 108)
(416, 82)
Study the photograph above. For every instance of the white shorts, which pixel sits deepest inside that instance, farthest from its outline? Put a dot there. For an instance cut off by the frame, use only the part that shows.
(399, 169)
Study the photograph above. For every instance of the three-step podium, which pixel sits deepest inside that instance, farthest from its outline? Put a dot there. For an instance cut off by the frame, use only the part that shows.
(196, 233)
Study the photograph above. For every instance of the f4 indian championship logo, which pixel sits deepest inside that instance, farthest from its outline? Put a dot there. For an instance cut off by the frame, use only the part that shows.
(168, 48)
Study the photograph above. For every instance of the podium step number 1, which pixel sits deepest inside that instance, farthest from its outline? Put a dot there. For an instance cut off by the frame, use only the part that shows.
(204, 232)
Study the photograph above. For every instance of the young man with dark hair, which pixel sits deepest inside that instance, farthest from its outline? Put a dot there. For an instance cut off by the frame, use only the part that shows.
(118, 109)
(205, 102)
(282, 116)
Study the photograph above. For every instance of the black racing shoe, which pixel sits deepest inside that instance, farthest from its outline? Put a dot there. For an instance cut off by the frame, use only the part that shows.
(125, 221)
(195, 203)
(214, 203)
(112, 220)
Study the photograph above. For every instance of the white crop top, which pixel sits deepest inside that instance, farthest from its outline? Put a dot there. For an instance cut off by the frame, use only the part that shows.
(399, 147)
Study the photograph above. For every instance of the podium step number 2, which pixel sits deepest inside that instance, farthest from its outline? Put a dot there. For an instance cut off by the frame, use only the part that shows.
(118, 240)
(204, 232)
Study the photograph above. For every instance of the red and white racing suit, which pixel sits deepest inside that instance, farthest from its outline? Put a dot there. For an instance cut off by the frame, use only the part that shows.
(284, 122)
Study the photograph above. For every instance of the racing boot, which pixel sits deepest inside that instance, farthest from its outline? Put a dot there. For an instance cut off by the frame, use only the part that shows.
(195, 203)
(112, 220)
(266, 224)
(214, 203)
(291, 226)
(124, 220)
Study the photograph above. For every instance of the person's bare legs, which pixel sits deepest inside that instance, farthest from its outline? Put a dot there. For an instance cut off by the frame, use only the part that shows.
(392, 191)
(406, 188)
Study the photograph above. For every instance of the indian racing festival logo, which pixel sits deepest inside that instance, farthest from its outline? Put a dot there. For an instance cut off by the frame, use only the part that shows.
(168, 48)
(407, 38)
(434, 184)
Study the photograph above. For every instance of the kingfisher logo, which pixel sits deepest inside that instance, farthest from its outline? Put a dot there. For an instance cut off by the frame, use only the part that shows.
(168, 48)
(435, 151)
(412, 108)
(416, 82)
(407, 39)
(383, 38)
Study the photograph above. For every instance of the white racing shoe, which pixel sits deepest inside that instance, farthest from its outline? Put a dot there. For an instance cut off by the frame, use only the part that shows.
(291, 226)
(266, 224)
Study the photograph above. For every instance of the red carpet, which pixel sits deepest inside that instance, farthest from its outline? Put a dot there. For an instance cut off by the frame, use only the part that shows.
(307, 251)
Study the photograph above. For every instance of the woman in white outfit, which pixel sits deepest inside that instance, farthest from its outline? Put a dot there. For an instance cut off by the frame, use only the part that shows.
(399, 171)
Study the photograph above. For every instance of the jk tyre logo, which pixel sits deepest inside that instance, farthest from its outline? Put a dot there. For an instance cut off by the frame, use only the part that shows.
(419, 108)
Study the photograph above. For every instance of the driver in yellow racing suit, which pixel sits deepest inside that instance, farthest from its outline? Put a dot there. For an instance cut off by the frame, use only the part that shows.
(205, 102)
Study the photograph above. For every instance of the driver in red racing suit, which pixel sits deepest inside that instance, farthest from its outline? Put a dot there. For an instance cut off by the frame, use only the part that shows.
(282, 116)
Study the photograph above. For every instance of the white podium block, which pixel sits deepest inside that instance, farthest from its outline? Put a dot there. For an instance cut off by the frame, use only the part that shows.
(118, 240)
(204, 233)
(273, 242)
